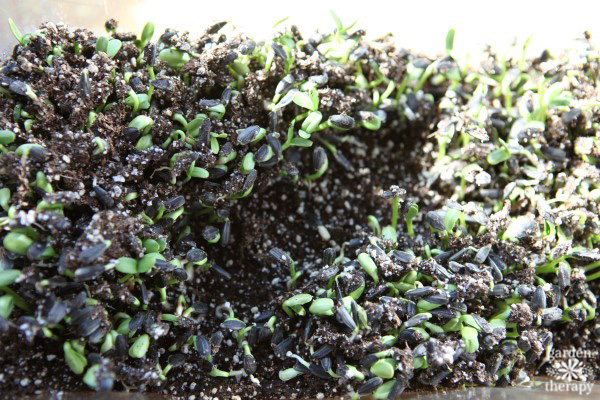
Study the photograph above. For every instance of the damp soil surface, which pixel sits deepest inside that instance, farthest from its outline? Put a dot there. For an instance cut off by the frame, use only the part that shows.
(302, 217)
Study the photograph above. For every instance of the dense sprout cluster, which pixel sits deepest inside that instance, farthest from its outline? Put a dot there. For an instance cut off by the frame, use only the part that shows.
(146, 185)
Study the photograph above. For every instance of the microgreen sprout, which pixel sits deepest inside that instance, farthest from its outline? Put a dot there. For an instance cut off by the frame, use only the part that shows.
(383, 368)
(18, 243)
(7, 304)
(6, 137)
(411, 213)
(320, 163)
(110, 47)
(322, 307)
(450, 217)
(309, 101)
(141, 123)
(8, 276)
(450, 41)
(75, 360)
(294, 304)
(370, 120)
(147, 33)
(369, 266)
(23, 39)
(139, 348)
(174, 58)
(469, 336)
(340, 122)
(16, 32)
(499, 155)
(289, 374)
(99, 146)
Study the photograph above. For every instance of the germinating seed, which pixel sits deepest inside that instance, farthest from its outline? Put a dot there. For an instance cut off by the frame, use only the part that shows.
(342, 121)
(284, 346)
(88, 273)
(419, 292)
(248, 134)
(322, 351)
(539, 299)
(370, 385)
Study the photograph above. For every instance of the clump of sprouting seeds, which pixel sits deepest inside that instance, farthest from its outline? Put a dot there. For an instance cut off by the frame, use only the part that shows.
(442, 292)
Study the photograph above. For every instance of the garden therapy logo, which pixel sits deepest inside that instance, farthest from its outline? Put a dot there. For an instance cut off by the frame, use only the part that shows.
(570, 372)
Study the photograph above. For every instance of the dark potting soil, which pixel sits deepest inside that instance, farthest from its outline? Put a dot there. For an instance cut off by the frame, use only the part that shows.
(95, 191)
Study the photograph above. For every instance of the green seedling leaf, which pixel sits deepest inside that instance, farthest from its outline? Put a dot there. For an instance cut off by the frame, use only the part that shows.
(113, 47)
(15, 31)
(288, 374)
(559, 101)
(469, 335)
(433, 328)
(452, 325)
(240, 68)
(498, 156)
(5, 198)
(217, 111)
(314, 96)
(90, 376)
(144, 143)
(198, 172)
(150, 245)
(295, 303)
(301, 142)
(371, 122)
(424, 305)
(75, 360)
(147, 33)
(193, 127)
(383, 368)
(139, 348)
(322, 307)
(338, 21)
(142, 123)
(144, 101)
(7, 303)
(8, 276)
(419, 362)
(310, 124)
(411, 213)
(169, 318)
(248, 163)
(7, 137)
(127, 265)
(389, 233)
(102, 44)
(174, 58)
(383, 391)
(450, 41)
(373, 223)
(450, 219)
(281, 21)
(298, 300)
(369, 266)
(304, 100)
(17, 243)
(147, 262)
(470, 321)
(109, 342)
